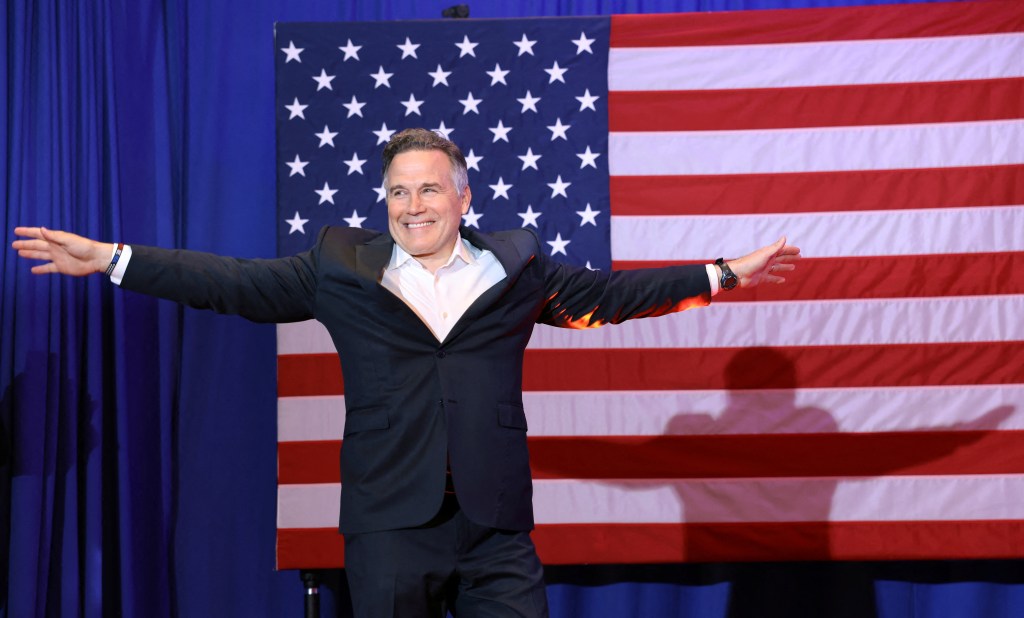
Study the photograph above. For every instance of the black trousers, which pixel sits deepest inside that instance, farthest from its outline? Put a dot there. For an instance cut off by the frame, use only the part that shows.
(449, 564)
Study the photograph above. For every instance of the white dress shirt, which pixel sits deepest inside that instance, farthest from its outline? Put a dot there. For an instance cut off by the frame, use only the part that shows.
(440, 298)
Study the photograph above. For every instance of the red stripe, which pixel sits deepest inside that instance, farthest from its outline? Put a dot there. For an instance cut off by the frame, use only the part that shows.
(732, 456)
(731, 194)
(934, 364)
(905, 276)
(897, 540)
(308, 461)
(309, 374)
(310, 548)
(778, 108)
(771, 456)
(747, 542)
(816, 24)
(738, 368)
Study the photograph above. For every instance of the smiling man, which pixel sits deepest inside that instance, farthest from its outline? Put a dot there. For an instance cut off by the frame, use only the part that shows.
(431, 322)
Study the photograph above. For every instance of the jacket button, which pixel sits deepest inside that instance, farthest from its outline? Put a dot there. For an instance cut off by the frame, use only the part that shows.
(440, 353)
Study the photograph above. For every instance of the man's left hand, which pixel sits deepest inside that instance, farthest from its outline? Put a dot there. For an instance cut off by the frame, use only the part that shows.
(766, 265)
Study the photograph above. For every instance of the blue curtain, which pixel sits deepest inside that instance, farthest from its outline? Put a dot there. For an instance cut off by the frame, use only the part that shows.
(137, 440)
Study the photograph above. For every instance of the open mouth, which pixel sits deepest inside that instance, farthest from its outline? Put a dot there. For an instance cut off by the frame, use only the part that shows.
(414, 226)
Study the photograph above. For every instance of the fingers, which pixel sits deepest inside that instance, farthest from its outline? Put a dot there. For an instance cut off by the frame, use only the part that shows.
(30, 245)
(32, 254)
(29, 232)
(45, 269)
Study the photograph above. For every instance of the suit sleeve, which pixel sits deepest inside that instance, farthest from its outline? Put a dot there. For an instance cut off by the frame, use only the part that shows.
(261, 290)
(582, 298)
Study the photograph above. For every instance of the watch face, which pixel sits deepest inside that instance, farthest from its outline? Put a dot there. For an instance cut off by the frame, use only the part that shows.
(729, 281)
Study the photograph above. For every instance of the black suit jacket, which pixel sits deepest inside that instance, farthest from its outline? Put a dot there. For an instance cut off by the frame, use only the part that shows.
(413, 402)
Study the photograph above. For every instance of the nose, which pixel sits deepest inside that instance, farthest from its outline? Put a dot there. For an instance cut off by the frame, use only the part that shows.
(416, 205)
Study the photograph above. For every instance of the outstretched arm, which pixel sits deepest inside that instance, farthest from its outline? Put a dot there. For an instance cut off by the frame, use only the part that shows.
(765, 264)
(64, 252)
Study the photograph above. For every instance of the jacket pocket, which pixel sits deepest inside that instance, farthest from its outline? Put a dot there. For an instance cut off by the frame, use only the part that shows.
(366, 419)
(511, 415)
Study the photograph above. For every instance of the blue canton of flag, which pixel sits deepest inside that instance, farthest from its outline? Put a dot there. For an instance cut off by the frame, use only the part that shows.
(525, 100)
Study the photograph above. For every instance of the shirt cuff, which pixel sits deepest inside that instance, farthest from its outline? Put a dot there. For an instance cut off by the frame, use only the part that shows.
(122, 264)
(712, 276)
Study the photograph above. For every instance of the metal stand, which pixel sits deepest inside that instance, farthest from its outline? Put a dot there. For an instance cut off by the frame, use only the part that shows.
(311, 586)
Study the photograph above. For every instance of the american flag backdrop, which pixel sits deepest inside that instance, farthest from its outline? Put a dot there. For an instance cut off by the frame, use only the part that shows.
(871, 408)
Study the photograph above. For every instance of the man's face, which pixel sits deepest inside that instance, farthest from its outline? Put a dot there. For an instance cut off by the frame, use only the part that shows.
(424, 210)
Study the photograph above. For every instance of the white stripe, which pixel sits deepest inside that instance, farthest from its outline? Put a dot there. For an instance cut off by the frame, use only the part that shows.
(913, 498)
(827, 234)
(831, 63)
(956, 319)
(819, 149)
(720, 412)
(918, 498)
(308, 506)
(309, 337)
(875, 321)
(310, 418)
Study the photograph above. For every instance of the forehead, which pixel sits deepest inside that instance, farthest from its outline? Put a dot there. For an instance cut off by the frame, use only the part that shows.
(420, 166)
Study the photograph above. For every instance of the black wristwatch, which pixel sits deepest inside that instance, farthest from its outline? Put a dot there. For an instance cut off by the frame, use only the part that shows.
(729, 278)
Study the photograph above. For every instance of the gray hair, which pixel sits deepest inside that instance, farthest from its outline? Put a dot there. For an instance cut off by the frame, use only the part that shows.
(424, 139)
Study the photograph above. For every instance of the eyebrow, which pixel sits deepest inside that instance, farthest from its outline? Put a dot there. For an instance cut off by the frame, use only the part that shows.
(422, 186)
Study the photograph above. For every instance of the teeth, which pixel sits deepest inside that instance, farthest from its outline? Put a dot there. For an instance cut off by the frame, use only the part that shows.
(418, 225)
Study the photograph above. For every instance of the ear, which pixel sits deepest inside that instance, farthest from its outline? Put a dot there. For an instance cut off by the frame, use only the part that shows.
(467, 197)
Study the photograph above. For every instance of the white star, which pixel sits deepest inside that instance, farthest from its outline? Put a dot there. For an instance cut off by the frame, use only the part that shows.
(355, 164)
(323, 80)
(529, 159)
(470, 104)
(556, 72)
(583, 44)
(384, 135)
(412, 106)
(440, 76)
(587, 101)
(327, 137)
(471, 218)
(588, 216)
(408, 48)
(497, 75)
(292, 53)
(381, 78)
(589, 267)
(296, 109)
(529, 102)
(381, 193)
(354, 107)
(351, 51)
(558, 130)
(529, 217)
(525, 45)
(356, 221)
(297, 224)
(444, 131)
(500, 189)
(558, 245)
(298, 166)
(326, 194)
(558, 187)
(500, 132)
(473, 161)
(588, 158)
(466, 48)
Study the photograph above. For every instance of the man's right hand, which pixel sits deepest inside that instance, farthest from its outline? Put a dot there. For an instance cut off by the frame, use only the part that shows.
(64, 253)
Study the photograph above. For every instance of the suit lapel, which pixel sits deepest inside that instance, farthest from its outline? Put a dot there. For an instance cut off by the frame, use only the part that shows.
(509, 258)
(371, 260)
